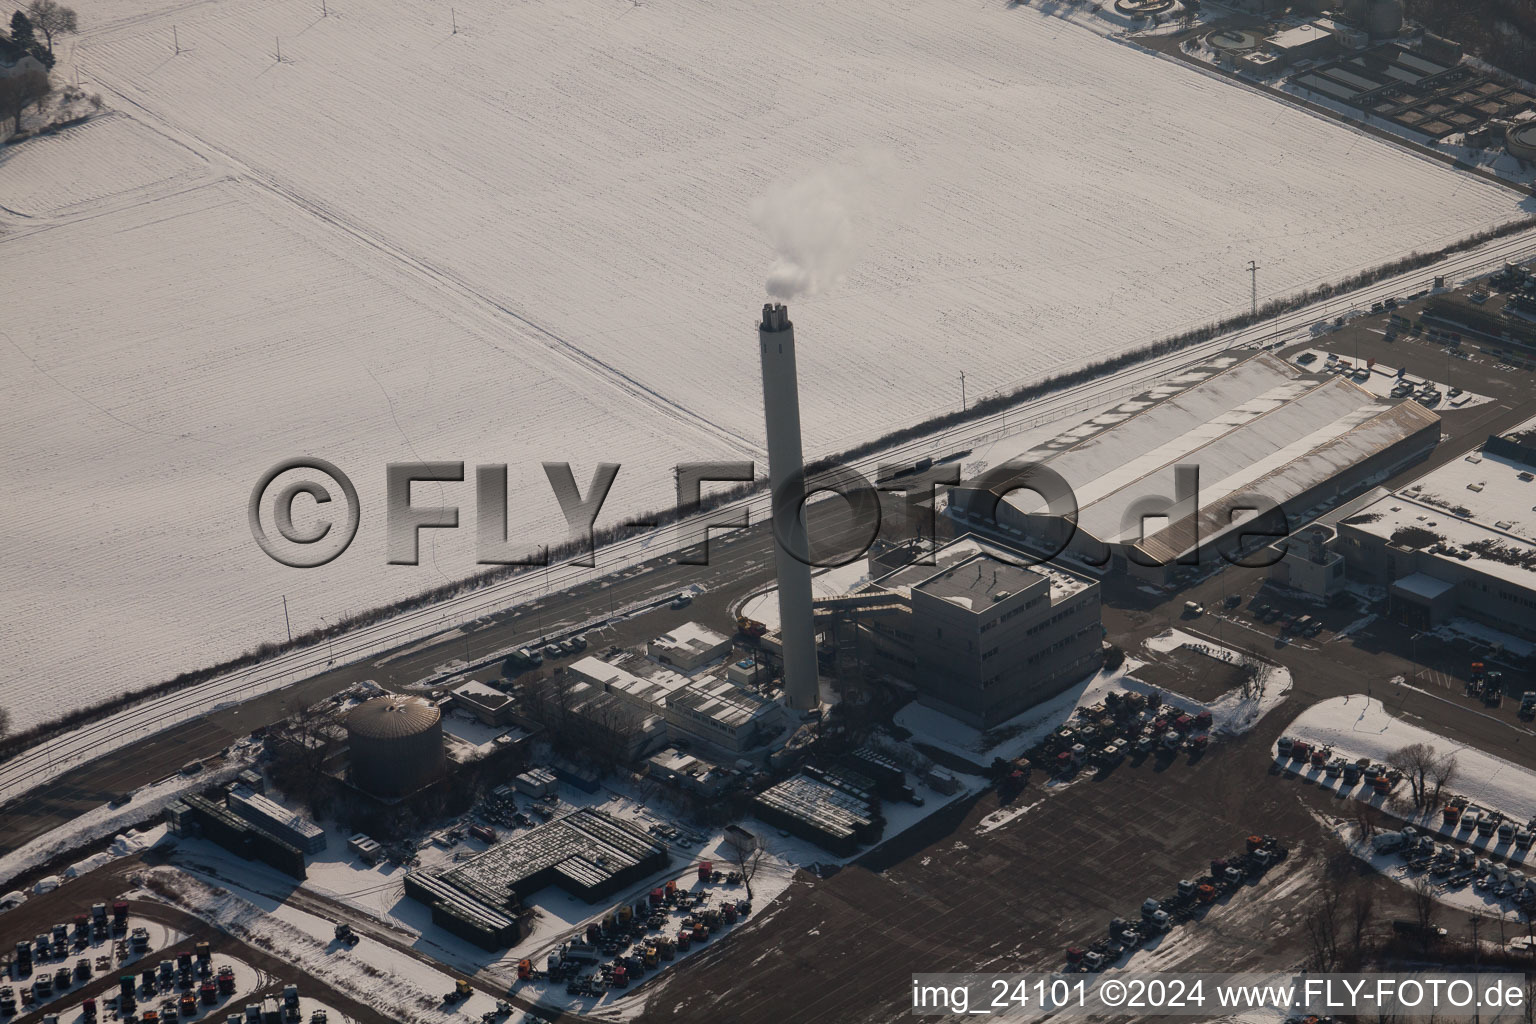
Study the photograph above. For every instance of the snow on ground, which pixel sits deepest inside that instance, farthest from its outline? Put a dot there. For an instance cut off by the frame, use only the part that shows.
(844, 579)
(1466, 897)
(534, 239)
(146, 806)
(371, 972)
(1235, 712)
(69, 173)
(1358, 726)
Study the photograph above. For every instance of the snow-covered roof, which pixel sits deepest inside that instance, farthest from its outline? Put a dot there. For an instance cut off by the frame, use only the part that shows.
(692, 637)
(1262, 426)
(994, 569)
(1421, 584)
(1474, 505)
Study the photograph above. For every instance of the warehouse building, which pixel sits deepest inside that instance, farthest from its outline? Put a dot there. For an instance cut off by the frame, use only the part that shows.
(1459, 541)
(461, 914)
(1176, 483)
(836, 817)
(703, 707)
(978, 634)
(198, 815)
(272, 816)
(588, 853)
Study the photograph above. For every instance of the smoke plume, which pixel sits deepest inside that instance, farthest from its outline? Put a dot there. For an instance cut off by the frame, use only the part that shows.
(815, 225)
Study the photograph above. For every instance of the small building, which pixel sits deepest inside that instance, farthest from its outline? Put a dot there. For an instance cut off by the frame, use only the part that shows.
(747, 672)
(536, 782)
(689, 647)
(488, 704)
(15, 62)
(686, 772)
(367, 850)
(1309, 563)
(1314, 40)
(942, 781)
(275, 818)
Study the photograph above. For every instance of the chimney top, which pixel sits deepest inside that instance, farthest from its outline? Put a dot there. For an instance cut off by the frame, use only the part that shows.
(775, 317)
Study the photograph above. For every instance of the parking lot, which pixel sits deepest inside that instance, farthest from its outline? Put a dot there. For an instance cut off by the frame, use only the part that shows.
(168, 968)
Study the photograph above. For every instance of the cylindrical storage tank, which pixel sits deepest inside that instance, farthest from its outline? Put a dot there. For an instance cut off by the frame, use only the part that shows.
(1386, 17)
(1520, 140)
(395, 744)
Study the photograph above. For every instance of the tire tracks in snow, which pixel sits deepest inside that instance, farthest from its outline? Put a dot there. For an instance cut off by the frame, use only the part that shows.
(442, 279)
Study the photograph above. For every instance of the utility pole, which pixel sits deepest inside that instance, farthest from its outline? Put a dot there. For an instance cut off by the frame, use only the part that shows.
(175, 45)
(279, 49)
(286, 621)
(1253, 270)
(323, 12)
(455, 16)
(962, 391)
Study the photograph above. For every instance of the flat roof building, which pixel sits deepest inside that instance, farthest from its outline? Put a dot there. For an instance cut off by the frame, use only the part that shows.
(588, 853)
(488, 704)
(689, 647)
(704, 707)
(1173, 479)
(1460, 540)
(980, 635)
(289, 826)
(821, 812)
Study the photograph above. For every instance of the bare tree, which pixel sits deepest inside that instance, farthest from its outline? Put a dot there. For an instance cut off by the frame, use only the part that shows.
(5, 722)
(20, 91)
(1425, 910)
(1362, 906)
(1322, 927)
(52, 18)
(1415, 761)
(747, 856)
(1441, 774)
(1366, 819)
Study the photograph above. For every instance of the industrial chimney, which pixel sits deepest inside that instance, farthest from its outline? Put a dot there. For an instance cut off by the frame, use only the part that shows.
(781, 410)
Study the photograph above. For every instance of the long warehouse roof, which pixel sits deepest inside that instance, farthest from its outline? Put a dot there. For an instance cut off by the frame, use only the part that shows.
(1261, 426)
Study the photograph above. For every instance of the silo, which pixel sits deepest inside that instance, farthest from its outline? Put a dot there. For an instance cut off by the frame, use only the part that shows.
(1520, 140)
(396, 745)
(1386, 17)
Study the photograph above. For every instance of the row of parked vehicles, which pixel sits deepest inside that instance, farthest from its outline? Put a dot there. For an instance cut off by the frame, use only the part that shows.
(1459, 866)
(525, 658)
(636, 938)
(1191, 898)
(1379, 777)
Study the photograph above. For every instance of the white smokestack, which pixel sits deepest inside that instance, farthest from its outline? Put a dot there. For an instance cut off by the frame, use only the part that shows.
(781, 411)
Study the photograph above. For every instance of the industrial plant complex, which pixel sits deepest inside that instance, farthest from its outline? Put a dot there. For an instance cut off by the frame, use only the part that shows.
(1207, 652)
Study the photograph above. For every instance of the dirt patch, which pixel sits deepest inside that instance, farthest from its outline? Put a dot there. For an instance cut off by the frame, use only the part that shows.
(1197, 676)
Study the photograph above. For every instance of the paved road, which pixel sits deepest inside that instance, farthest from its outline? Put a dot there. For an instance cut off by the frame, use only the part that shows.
(622, 560)
(739, 564)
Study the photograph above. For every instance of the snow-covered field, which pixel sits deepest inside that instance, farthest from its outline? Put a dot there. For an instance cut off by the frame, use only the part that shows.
(542, 238)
